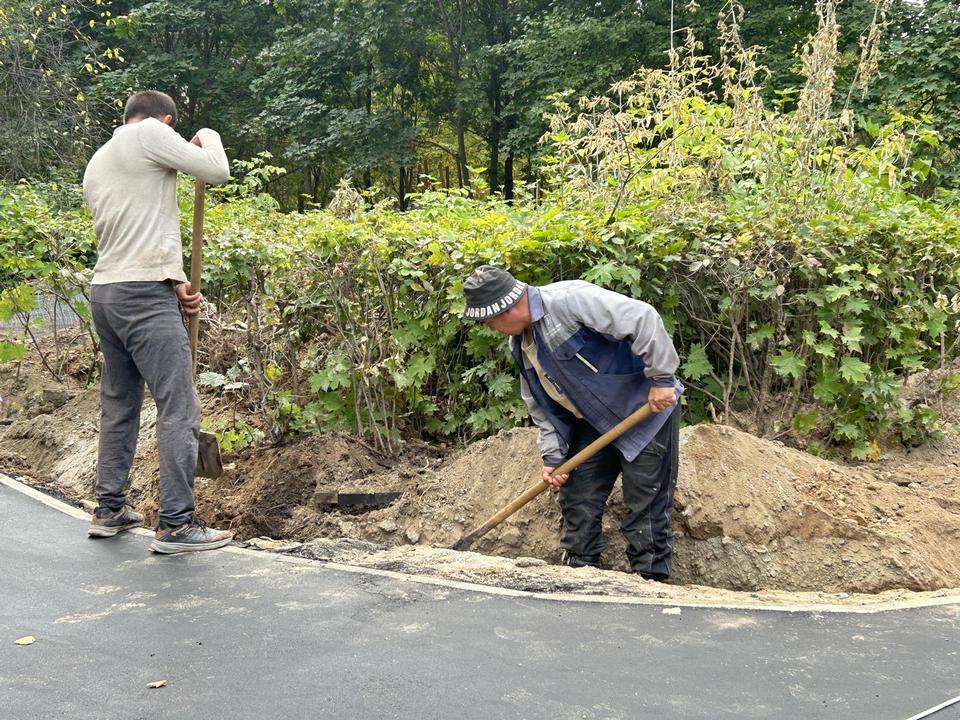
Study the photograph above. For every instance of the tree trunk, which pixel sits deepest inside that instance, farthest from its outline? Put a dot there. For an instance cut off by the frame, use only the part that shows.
(368, 106)
(463, 174)
(496, 20)
(493, 97)
(509, 123)
(454, 30)
(307, 190)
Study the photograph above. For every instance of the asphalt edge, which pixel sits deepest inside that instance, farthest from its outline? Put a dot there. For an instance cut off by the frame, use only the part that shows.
(870, 604)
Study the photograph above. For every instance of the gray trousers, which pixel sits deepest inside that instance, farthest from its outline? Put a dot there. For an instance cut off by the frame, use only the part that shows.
(143, 339)
(649, 482)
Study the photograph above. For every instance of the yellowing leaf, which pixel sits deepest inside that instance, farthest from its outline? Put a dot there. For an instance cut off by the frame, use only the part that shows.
(28, 640)
(272, 372)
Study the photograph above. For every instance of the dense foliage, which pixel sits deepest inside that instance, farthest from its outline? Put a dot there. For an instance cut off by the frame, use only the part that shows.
(804, 254)
(394, 92)
(815, 303)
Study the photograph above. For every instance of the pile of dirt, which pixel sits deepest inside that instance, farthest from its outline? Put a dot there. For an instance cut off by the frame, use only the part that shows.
(754, 514)
(750, 514)
(59, 447)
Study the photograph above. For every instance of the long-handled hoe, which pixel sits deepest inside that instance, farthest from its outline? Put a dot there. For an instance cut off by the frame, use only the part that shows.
(530, 493)
(209, 464)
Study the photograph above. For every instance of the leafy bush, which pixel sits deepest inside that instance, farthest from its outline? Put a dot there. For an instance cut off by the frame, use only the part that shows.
(46, 259)
(799, 274)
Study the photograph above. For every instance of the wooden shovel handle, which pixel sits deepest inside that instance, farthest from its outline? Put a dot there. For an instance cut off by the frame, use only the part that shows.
(573, 463)
(196, 264)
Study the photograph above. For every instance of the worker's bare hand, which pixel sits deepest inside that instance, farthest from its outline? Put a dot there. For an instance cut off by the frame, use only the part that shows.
(196, 141)
(660, 398)
(189, 301)
(554, 481)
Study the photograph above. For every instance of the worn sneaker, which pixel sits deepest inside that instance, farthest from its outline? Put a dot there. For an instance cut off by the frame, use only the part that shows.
(189, 537)
(107, 523)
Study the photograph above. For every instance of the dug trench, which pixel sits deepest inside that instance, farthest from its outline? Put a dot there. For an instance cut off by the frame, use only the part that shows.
(750, 514)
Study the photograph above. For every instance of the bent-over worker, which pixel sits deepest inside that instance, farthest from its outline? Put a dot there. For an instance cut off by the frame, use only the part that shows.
(588, 358)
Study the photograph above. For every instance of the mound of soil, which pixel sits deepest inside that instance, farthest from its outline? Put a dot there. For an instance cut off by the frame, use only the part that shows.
(750, 514)
(754, 514)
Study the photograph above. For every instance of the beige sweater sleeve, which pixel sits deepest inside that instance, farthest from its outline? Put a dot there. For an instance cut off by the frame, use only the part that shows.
(164, 146)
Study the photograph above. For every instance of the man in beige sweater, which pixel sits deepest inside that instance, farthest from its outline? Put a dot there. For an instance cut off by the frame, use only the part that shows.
(139, 296)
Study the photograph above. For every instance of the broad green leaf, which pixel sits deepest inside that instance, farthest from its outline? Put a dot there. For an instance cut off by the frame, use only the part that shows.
(502, 385)
(698, 364)
(937, 322)
(211, 379)
(835, 292)
(852, 335)
(827, 387)
(825, 329)
(787, 364)
(856, 306)
(805, 422)
(847, 431)
(854, 370)
(758, 336)
(12, 351)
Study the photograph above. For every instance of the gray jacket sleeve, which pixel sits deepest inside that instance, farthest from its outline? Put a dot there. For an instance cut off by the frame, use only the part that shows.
(162, 144)
(548, 440)
(624, 318)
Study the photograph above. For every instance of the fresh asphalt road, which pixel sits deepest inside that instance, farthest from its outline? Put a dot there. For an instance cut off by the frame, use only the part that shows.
(241, 635)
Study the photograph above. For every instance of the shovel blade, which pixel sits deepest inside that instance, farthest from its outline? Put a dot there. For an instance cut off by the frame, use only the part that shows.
(209, 464)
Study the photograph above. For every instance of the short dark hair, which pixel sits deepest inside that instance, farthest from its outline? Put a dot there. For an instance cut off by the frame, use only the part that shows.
(149, 104)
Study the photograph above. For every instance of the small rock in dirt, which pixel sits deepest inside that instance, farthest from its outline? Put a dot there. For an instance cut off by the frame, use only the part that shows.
(413, 535)
(56, 398)
(511, 536)
(13, 461)
(388, 525)
(266, 543)
(526, 562)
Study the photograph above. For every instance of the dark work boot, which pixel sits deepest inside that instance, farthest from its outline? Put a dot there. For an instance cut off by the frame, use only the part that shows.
(571, 560)
(655, 576)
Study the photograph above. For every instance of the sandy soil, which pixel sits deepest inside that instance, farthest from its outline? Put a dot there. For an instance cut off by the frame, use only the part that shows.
(750, 514)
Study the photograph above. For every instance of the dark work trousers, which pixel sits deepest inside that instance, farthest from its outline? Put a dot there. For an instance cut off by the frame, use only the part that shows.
(143, 339)
(649, 482)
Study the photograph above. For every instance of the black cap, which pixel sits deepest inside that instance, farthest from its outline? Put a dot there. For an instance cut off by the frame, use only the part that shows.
(491, 291)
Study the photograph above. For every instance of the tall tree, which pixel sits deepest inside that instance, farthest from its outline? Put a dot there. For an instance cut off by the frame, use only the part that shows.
(202, 53)
(47, 52)
(920, 74)
(338, 92)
